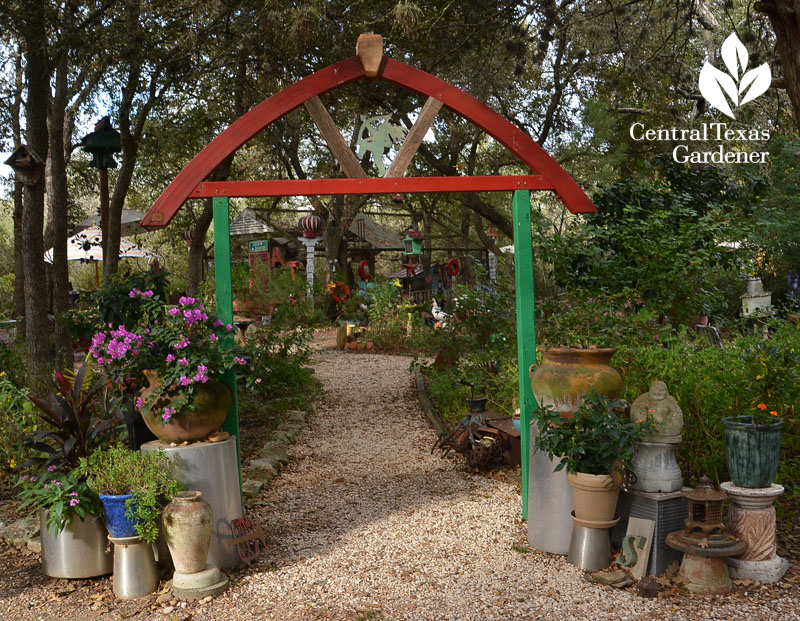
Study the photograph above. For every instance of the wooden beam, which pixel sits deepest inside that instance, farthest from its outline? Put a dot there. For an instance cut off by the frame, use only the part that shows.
(414, 138)
(371, 185)
(336, 142)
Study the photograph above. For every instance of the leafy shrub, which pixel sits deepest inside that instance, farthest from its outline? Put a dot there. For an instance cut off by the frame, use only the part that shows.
(147, 475)
(6, 296)
(16, 421)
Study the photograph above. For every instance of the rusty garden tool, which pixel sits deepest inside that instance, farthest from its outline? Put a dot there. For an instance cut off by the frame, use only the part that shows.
(247, 538)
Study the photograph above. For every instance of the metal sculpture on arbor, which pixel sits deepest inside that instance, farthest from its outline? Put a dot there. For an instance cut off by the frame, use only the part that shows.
(377, 135)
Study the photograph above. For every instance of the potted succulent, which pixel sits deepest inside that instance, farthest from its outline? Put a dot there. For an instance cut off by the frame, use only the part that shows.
(133, 486)
(175, 356)
(72, 423)
(594, 444)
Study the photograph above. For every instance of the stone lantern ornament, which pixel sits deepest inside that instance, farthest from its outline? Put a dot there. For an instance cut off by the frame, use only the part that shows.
(654, 464)
(705, 542)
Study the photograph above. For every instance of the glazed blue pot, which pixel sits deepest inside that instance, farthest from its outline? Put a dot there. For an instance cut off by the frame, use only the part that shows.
(117, 522)
(752, 450)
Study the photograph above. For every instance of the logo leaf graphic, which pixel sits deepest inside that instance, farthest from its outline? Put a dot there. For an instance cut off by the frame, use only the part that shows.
(712, 83)
(760, 77)
(732, 51)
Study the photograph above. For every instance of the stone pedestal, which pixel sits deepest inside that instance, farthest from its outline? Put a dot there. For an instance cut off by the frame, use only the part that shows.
(667, 510)
(751, 516)
(656, 468)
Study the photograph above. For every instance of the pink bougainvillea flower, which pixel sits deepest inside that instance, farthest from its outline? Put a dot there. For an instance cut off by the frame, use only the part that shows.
(170, 357)
(183, 362)
(185, 381)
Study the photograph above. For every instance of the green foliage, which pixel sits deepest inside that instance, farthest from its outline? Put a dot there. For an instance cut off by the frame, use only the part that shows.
(115, 304)
(596, 437)
(149, 476)
(74, 423)
(660, 237)
(711, 383)
(6, 296)
(16, 421)
(63, 495)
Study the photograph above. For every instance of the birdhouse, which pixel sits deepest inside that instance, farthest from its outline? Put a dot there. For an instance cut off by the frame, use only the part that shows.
(102, 143)
(412, 242)
(28, 166)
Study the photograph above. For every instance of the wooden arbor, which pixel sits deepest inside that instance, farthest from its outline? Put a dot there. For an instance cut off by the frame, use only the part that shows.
(546, 174)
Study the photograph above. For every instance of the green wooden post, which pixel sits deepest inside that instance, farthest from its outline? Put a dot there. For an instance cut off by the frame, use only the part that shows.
(526, 327)
(222, 270)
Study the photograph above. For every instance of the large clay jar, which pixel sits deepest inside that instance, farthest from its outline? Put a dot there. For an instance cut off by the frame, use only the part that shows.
(211, 403)
(567, 374)
(188, 521)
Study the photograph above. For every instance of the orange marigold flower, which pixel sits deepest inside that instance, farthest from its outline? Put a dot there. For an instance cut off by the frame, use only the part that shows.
(762, 406)
(774, 413)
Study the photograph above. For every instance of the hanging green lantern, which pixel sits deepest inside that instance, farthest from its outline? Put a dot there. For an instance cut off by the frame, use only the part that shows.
(102, 143)
(413, 242)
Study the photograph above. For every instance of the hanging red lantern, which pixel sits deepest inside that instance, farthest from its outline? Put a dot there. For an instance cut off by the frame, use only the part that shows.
(310, 225)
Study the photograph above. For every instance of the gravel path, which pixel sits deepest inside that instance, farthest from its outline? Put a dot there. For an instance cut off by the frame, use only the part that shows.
(367, 524)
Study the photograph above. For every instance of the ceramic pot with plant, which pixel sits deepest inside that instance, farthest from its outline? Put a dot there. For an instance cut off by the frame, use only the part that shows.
(752, 447)
(133, 486)
(72, 422)
(177, 356)
(72, 533)
(594, 444)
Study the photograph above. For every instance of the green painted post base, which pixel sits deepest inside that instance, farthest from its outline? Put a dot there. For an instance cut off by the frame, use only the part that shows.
(526, 327)
(222, 270)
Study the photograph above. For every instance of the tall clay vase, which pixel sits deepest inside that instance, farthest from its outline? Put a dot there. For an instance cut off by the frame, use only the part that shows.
(188, 522)
(594, 496)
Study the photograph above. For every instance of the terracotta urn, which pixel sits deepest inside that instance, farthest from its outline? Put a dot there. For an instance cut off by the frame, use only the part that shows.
(567, 374)
(188, 521)
(211, 403)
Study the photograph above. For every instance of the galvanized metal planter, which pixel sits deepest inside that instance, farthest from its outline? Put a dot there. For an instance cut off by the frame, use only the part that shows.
(79, 551)
(752, 450)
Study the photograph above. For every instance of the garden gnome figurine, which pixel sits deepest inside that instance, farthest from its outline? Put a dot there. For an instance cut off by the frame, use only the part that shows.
(660, 407)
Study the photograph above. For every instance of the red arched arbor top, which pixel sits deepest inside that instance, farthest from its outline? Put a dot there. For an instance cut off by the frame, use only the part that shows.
(547, 174)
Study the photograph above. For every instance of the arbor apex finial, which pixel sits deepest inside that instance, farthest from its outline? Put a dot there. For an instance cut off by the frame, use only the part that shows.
(369, 49)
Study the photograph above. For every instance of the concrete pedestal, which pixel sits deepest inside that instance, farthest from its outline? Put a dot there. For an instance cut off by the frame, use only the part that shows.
(751, 516)
(667, 510)
(656, 468)
(190, 587)
(549, 503)
(211, 468)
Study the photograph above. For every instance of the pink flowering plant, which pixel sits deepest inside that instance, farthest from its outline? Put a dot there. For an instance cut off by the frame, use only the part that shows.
(64, 496)
(185, 344)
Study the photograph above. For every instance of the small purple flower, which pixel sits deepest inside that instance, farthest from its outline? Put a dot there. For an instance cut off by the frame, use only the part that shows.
(170, 357)
(186, 300)
(258, 380)
(239, 360)
(148, 293)
(52, 468)
(165, 416)
(75, 494)
(185, 381)
(212, 337)
(74, 502)
(655, 336)
(182, 344)
(57, 483)
(217, 323)
(139, 403)
(132, 294)
(229, 327)
(174, 311)
(201, 368)
(183, 362)
(32, 479)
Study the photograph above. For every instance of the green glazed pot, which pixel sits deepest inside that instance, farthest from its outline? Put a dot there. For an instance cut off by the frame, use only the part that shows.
(752, 450)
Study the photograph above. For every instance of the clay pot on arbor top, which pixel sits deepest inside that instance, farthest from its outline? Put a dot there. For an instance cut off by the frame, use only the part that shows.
(567, 374)
(188, 522)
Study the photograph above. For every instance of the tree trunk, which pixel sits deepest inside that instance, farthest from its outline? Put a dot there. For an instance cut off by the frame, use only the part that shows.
(466, 275)
(197, 251)
(784, 15)
(57, 196)
(19, 239)
(37, 74)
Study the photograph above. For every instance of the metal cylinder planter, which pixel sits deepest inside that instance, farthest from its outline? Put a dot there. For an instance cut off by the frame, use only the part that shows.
(752, 450)
(78, 551)
(188, 522)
